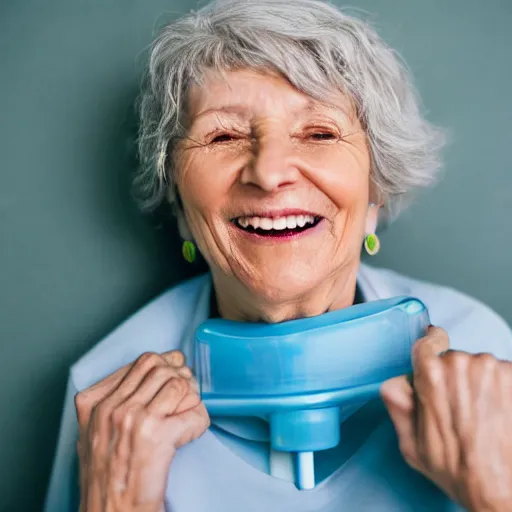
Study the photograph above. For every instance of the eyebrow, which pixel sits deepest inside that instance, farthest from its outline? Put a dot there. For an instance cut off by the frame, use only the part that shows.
(243, 112)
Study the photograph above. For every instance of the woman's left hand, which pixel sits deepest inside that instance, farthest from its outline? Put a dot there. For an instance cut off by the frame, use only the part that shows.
(455, 427)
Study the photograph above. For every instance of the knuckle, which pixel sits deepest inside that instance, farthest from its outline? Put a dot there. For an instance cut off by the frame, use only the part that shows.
(178, 385)
(81, 400)
(118, 417)
(439, 338)
(145, 425)
(127, 419)
(102, 410)
(456, 360)
(505, 373)
(125, 415)
(460, 361)
(185, 372)
(486, 361)
(161, 372)
(149, 360)
(83, 404)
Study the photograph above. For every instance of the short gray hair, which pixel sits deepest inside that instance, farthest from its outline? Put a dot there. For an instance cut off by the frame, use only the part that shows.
(313, 45)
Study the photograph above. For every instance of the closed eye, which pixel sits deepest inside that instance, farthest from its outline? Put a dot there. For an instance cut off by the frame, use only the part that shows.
(223, 137)
(323, 136)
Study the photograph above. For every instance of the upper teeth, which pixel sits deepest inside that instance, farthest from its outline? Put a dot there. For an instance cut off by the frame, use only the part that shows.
(289, 222)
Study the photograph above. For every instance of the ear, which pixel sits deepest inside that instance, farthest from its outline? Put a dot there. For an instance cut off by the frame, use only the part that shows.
(183, 228)
(372, 218)
(176, 205)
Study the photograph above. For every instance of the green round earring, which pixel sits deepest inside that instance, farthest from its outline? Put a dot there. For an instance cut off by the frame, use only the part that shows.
(372, 244)
(189, 251)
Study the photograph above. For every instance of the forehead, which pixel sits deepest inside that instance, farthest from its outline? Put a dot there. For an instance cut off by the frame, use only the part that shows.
(254, 92)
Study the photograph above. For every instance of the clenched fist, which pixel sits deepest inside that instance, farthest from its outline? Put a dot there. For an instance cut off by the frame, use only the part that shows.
(131, 424)
(454, 424)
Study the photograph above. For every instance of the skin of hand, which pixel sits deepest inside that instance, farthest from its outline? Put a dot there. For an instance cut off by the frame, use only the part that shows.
(453, 424)
(130, 425)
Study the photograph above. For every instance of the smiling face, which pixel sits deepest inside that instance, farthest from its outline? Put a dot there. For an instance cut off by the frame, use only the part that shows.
(275, 190)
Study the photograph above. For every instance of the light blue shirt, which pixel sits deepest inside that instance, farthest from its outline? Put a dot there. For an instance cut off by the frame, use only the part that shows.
(220, 472)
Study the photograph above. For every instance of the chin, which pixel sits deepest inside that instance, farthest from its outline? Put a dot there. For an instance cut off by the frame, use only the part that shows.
(284, 286)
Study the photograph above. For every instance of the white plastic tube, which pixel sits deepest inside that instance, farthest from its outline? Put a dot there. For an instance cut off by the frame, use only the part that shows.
(305, 471)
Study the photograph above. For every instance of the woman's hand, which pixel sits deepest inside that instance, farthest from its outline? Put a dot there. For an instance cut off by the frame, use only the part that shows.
(455, 427)
(131, 424)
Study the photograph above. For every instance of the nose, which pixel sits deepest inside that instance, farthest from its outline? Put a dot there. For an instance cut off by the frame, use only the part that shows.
(271, 166)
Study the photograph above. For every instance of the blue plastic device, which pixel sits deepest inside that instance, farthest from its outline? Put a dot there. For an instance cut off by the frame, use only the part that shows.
(301, 374)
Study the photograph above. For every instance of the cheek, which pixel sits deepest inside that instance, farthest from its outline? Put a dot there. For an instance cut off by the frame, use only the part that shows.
(202, 188)
(343, 175)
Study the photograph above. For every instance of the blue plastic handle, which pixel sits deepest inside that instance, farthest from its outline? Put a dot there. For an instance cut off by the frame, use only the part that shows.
(300, 374)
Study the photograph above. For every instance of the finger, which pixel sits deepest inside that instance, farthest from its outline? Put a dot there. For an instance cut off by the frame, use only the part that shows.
(143, 366)
(148, 388)
(434, 343)
(427, 366)
(190, 401)
(189, 425)
(175, 358)
(100, 423)
(397, 395)
(87, 399)
(458, 368)
(119, 460)
(185, 372)
(167, 401)
(429, 440)
(434, 420)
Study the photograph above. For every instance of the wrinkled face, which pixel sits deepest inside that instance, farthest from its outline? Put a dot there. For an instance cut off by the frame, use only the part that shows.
(275, 186)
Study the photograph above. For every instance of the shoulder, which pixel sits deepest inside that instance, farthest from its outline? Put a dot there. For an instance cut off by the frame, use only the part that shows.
(156, 327)
(472, 325)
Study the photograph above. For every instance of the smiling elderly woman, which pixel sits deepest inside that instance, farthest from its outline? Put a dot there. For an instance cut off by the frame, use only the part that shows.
(281, 132)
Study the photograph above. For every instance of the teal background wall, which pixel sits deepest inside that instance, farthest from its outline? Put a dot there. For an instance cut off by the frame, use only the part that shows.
(76, 257)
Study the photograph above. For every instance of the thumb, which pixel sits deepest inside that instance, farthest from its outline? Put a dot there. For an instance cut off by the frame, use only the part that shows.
(397, 394)
(188, 425)
(428, 348)
(425, 358)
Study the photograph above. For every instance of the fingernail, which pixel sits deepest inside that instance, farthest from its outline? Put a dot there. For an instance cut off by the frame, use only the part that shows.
(177, 358)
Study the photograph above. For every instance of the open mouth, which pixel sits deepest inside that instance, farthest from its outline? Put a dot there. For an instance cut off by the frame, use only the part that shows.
(288, 226)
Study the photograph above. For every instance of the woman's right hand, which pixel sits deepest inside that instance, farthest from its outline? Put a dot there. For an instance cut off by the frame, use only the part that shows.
(131, 424)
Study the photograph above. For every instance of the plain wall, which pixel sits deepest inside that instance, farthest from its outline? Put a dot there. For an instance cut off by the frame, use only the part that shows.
(75, 255)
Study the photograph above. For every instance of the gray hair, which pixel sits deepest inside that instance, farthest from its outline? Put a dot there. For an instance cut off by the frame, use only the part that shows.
(316, 47)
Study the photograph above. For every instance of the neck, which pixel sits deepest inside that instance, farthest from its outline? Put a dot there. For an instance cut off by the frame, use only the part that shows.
(236, 302)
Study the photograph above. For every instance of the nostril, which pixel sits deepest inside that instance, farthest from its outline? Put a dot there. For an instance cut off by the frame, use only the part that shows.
(270, 168)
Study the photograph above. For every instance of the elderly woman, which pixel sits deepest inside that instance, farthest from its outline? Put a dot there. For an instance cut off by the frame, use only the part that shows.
(280, 132)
